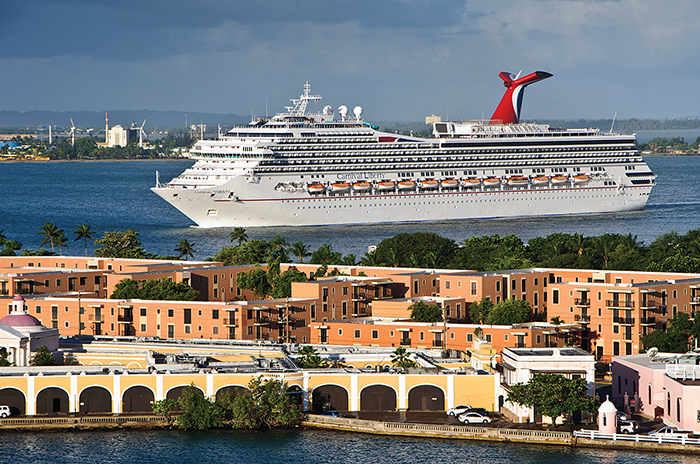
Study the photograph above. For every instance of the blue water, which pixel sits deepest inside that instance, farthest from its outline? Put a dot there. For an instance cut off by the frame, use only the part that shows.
(115, 195)
(304, 447)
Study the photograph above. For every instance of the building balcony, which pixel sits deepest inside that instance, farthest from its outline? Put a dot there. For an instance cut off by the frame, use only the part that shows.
(695, 300)
(648, 321)
(437, 343)
(623, 320)
(550, 344)
(520, 345)
(230, 321)
(262, 321)
(125, 318)
(582, 318)
(582, 302)
(619, 304)
(95, 319)
(648, 304)
(405, 342)
(360, 297)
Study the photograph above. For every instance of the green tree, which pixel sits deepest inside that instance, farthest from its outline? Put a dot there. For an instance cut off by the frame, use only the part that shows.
(396, 250)
(198, 412)
(85, 232)
(10, 247)
(677, 338)
(4, 362)
(50, 232)
(282, 283)
(42, 357)
(256, 280)
(185, 248)
(422, 312)
(509, 312)
(300, 250)
(325, 255)
(121, 245)
(239, 235)
(479, 311)
(266, 405)
(166, 290)
(61, 241)
(400, 358)
(553, 395)
(489, 253)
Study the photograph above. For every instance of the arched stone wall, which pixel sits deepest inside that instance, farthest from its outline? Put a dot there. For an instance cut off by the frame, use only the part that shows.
(137, 399)
(377, 398)
(327, 397)
(15, 399)
(52, 400)
(95, 400)
(426, 398)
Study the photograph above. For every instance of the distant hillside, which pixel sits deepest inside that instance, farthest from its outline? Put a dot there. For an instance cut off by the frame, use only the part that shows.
(160, 119)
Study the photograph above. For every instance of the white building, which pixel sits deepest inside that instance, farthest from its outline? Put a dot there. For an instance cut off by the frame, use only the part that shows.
(21, 334)
(519, 365)
(117, 136)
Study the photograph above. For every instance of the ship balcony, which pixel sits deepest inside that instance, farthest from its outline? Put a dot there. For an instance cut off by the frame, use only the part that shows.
(648, 321)
(623, 320)
(582, 302)
(615, 304)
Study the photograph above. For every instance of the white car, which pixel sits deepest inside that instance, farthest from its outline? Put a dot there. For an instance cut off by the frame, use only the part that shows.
(670, 432)
(457, 410)
(473, 418)
(628, 426)
(5, 411)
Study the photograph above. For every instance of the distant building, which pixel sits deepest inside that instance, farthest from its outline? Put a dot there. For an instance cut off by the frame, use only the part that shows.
(117, 136)
(432, 118)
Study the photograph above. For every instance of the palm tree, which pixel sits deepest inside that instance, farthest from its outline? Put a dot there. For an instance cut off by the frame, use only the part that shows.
(350, 260)
(604, 245)
(580, 243)
(240, 235)
(300, 250)
(433, 260)
(185, 248)
(400, 358)
(413, 261)
(61, 241)
(2, 237)
(83, 231)
(50, 231)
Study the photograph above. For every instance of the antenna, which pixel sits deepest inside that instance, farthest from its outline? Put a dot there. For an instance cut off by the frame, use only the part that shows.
(613, 122)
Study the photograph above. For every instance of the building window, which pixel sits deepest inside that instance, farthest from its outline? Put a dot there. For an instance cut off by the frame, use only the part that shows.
(187, 329)
(555, 296)
(38, 309)
(616, 349)
(143, 312)
(421, 336)
(250, 330)
(66, 324)
(523, 284)
(488, 338)
(340, 332)
(538, 339)
(470, 338)
(447, 285)
(473, 289)
(536, 281)
(143, 327)
(171, 313)
(357, 333)
(214, 313)
(600, 296)
(505, 337)
(215, 330)
(375, 334)
(498, 285)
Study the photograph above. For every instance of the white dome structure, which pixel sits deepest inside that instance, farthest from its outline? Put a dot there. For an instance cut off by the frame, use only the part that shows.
(607, 417)
(21, 334)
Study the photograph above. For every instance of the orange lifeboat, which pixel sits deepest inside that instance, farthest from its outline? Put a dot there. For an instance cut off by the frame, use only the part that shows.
(492, 182)
(559, 180)
(581, 179)
(518, 181)
(361, 186)
(540, 180)
(340, 187)
(449, 183)
(428, 184)
(316, 188)
(471, 183)
(385, 185)
(407, 185)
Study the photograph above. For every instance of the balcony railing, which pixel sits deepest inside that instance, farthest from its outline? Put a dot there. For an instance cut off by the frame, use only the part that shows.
(619, 304)
(359, 296)
(648, 320)
(550, 344)
(695, 300)
(230, 321)
(582, 302)
(405, 342)
(437, 343)
(649, 303)
(623, 320)
(93, 318)
(584, 318)
(520, 345)
(125, 318)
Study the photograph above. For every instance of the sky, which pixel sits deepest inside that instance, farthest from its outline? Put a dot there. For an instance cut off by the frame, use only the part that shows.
(400, 60)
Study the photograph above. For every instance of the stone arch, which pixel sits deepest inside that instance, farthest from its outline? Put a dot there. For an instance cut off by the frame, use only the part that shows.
(426, 398)
(95, 400)
(175, 392)
(134, 365)
(377, 398)
(232, 389)
(327, 397)
(95, 363)
(52, 400)
(296, 395)
(137, 399)
(15, 399)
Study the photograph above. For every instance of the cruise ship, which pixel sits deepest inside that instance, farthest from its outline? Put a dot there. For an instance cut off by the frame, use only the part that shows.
(301, 168)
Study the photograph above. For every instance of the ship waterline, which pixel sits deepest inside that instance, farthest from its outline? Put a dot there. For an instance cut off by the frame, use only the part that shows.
(298, 168)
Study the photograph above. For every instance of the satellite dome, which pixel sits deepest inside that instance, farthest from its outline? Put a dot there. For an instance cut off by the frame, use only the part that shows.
(358, 112)
(328, 110)
(343, 111)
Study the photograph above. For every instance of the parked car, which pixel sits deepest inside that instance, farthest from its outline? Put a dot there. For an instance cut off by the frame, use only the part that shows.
(457, 410)
(621, 416)
(473, 418)
(332, 413)
(670, 432)
(628, 426)
(481, 411)
(5, 411)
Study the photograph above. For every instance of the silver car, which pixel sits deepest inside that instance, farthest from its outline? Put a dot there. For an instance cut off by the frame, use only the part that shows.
(473, 418)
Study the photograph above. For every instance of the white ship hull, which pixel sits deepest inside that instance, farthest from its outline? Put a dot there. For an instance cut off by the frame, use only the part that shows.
(216, 207)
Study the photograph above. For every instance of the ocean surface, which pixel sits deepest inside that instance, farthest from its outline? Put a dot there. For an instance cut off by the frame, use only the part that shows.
(304, 447)
(115, 195)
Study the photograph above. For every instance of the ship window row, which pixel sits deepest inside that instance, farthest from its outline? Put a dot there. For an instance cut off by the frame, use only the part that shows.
(383, 157)
(465, 148)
